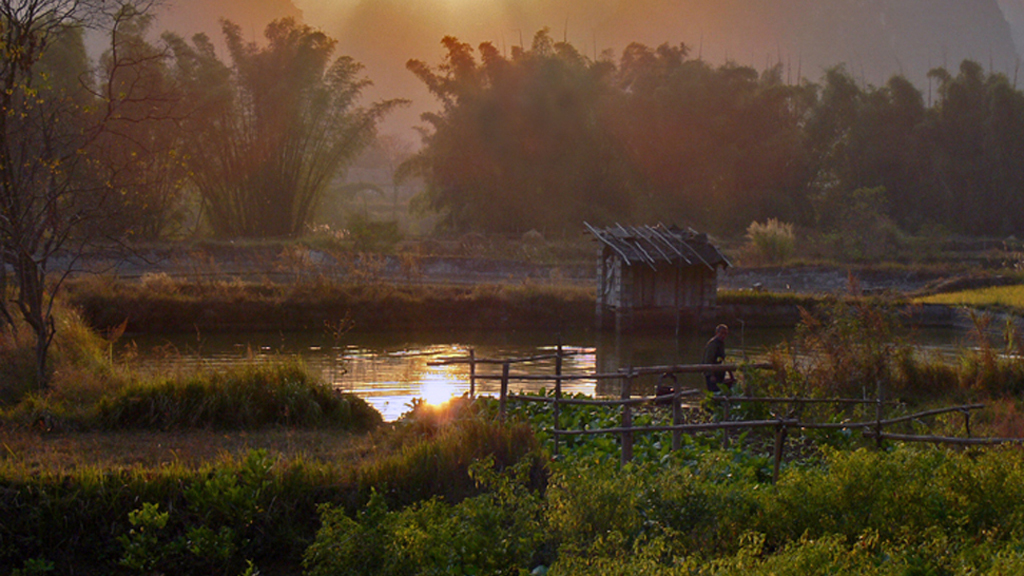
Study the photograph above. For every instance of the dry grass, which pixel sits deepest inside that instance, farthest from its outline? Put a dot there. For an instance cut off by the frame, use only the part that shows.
(1001, 297)
(31, 452)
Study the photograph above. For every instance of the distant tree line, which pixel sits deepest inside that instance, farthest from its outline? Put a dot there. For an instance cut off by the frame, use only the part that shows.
(545, 138)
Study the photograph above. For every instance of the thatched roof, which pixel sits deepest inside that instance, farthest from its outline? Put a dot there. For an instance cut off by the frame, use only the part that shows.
(654, 245)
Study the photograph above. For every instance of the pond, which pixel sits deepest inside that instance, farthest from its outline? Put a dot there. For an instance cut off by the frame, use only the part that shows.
(390, 370)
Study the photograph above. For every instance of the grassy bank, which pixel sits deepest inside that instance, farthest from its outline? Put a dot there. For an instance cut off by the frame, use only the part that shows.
(177, 307)
(172, 307)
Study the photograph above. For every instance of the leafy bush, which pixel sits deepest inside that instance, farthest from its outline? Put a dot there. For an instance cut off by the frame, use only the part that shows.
(498, 532)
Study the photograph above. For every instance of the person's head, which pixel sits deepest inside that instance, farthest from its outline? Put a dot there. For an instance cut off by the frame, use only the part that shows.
(721, 331)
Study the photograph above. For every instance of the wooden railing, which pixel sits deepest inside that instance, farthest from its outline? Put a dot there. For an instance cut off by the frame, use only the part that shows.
(870, 428)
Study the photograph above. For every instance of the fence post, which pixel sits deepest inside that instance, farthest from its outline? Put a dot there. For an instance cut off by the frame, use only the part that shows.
(726, 417)
(627, 419)
(504, 390)
(967, 422)
(879, 409)
(780, 440)
(472, 374)
(558, 390)
(677, 418)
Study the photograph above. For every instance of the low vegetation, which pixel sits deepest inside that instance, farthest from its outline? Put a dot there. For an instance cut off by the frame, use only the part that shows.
(454, 489)
(994, 298)
(320, 303)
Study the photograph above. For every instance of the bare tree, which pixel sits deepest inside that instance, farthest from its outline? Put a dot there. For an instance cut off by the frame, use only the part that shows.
(53, 117)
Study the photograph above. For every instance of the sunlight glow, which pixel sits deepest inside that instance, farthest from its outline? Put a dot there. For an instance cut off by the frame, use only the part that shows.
(437, 388)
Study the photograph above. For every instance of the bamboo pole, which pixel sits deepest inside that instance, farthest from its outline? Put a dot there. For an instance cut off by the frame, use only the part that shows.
(627, 419)
(683, 427)
(690, 368)
(497, 361)
(780, 440)
(677, 419)
(558, 390)
(577, 402)
(472, 373)
(504, 390)
(725, 432)
(948, 440)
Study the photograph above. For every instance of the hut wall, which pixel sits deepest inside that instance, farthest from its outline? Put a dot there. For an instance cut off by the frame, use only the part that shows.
(669, 288)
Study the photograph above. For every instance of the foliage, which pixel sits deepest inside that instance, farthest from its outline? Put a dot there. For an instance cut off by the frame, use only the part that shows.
(54, 126)
(260, 507)
(219, 512)
(855, 346)
(519, 133)
(854, 224)
(497, 532)
(260, 394)
(141, 158)
(437, 449)
(270, 132)
(773, 242)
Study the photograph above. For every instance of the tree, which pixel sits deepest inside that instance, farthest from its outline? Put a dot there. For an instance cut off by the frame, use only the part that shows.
(141, 157)
(520, 142)
(51, 118)
(974, 132)
(271, 131)
(715, 147)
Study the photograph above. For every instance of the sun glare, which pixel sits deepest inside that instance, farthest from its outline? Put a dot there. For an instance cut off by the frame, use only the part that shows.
(438, 388)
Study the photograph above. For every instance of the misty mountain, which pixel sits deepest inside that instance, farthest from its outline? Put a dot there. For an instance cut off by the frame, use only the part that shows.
(1013, 10)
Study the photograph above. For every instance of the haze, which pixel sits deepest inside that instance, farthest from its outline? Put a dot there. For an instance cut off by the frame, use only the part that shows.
(874, 38)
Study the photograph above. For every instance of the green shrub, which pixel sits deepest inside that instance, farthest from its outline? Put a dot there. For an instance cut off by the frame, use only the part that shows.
(497, 532)
(260, 394)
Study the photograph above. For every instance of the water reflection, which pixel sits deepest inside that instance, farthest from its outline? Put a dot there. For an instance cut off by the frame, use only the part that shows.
(390, 370)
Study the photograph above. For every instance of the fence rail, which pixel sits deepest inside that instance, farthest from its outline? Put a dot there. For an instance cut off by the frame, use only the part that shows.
(873, 428)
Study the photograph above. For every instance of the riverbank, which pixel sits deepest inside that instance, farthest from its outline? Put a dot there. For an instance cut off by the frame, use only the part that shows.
(172, 307)
(179, 307)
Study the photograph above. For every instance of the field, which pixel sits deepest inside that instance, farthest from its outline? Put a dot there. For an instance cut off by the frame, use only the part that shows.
(263, 470)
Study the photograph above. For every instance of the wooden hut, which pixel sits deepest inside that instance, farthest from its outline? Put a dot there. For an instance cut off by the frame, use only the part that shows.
(654, 274)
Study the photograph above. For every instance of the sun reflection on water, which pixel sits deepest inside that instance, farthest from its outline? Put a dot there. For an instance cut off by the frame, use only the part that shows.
(439, 386)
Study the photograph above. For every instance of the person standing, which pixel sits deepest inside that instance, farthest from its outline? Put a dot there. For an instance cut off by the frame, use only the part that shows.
(714, 353)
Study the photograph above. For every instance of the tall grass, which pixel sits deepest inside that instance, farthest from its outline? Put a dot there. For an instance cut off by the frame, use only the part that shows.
(279, 393)
(80, 366)
(772, 242)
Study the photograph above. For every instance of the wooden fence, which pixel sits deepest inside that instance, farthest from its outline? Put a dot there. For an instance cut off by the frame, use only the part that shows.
(871, 428)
